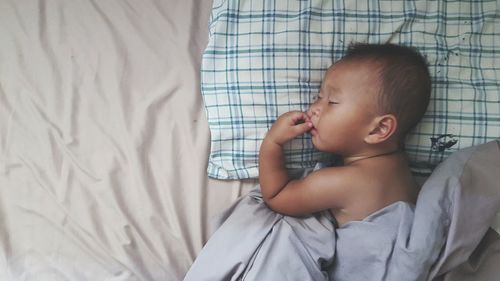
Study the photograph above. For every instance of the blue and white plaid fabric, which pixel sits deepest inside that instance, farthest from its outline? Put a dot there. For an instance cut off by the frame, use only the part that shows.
(267, 57)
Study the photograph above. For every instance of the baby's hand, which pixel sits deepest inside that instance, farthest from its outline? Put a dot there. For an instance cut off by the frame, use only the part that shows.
(289, 126)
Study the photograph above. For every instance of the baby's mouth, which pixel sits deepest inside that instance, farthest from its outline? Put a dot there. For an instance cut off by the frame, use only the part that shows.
(313, 131)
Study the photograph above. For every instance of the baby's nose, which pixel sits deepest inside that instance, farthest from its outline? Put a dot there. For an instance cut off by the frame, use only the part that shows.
(309, 112)
(313, 110)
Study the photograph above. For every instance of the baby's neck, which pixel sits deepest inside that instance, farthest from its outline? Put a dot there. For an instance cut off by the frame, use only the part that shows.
(360, 157)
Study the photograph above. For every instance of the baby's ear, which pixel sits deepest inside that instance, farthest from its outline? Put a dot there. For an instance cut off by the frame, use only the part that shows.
(382, 128)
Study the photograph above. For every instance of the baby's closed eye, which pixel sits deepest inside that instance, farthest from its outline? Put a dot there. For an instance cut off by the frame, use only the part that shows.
(317, 97)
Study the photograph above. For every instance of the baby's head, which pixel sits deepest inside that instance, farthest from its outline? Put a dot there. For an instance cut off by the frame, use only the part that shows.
(377, 91)
(405, 83)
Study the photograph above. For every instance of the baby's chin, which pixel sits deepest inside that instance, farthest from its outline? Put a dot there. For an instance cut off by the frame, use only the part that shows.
(314, 139)
(318, 145)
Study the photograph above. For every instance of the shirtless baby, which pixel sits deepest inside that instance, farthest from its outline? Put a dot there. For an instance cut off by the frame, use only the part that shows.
(368, 102)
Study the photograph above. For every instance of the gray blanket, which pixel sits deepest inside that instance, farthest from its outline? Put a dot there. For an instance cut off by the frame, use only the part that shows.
(400, 242)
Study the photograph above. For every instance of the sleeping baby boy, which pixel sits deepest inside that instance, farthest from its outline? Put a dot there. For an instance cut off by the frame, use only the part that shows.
(298, 229)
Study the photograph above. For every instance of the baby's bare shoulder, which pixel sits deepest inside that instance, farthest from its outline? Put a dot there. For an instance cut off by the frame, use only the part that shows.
(386, 182)
(374, 187)
(396, 181)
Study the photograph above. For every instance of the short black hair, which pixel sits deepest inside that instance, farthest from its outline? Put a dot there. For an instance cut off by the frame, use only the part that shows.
(405, 81)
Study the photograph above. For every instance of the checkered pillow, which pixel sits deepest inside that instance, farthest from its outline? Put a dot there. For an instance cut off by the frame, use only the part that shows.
(265, 58)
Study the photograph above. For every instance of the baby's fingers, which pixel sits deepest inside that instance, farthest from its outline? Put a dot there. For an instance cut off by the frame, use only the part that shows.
(302, 128)
(299, 117)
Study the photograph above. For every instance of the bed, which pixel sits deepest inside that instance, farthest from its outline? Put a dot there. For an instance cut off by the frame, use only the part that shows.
(106, 145)
(104, 140)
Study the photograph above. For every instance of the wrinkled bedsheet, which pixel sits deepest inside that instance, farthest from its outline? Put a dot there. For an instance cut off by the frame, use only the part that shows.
(255, 243)
(104, 140)
(400, 242)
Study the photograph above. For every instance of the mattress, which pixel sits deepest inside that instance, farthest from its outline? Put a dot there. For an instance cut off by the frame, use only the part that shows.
(104, 140)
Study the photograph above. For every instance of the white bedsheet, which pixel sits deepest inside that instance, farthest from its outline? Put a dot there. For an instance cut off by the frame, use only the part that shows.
(104, 140)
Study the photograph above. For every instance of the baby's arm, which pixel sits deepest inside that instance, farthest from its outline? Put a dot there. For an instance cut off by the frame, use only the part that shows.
(272, 173)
